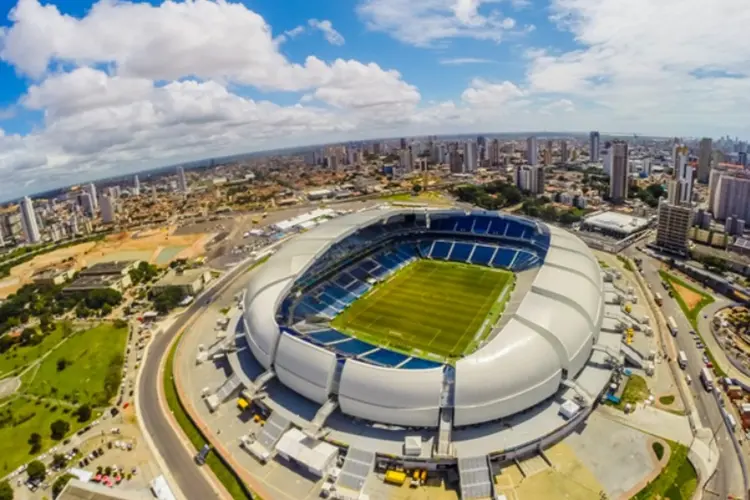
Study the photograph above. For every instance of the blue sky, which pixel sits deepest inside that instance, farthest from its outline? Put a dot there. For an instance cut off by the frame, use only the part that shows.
(94, 88)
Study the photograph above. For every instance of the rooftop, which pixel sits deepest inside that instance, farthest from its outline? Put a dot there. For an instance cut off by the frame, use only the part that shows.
(617, 221)
(91, 282)
(78, 490)
(113, 267)
(181, 278)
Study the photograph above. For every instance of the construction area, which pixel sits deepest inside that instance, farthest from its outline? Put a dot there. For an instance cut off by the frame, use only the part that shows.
(155, 246)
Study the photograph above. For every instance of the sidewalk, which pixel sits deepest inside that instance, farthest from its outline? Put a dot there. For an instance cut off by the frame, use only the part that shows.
(652, 421)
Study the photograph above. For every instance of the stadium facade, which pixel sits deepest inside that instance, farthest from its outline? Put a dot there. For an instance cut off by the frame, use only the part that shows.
(536, 354)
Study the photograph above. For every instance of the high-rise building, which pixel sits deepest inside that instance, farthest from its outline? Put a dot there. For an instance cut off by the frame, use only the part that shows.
(731, 198)
(376, 148)
(182, 185)
(470, 156)
(532, 151)
(548, 154)
(494, 152)
(91, 190)
(673, 227)
(564, 151)
(2, 239)
(28, 221)
(456, 162)
(704, 160)
(680, 189)
(402, 143)
(618, 180)
(742, 158)
(136, 186)
(530, 178)
(594, 146)
(406, 159)
(87, 204)
(350, 155)
(333, 162)
(607, 158)
(109, 208)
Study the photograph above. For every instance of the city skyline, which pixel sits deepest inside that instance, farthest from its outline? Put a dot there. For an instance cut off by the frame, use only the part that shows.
(86, 97)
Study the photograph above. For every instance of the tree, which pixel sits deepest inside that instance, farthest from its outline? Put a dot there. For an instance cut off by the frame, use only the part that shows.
(62, 363)
(59, 428)
(416, 188)
(83, 413)
(59, 461)
(60, 484)
(6, 491)
(35, 440)
(120, 323)
(36, 470)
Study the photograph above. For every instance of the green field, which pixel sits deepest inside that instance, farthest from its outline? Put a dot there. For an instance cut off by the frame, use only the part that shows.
(94, 363)
(429, 307)
(18, 357)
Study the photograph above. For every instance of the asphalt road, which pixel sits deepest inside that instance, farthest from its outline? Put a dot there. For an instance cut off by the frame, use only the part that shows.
(168, 444)
(728, 478)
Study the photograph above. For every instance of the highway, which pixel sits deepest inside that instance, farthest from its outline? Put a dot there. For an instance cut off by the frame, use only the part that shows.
(728, 478)
(169, 445)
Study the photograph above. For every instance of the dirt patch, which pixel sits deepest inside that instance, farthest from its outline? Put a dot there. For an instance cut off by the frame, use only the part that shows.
(691, 298)
(140, 245)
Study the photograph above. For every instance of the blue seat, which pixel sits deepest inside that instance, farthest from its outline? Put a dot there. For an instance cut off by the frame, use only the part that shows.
(498, 226)
(482, 255)
(419, 364)
(461, 252)
(504, 257)
(440, 250)
(464, 224)
(385, 357)
(424, 248)
(328, 336)
(516, 230)
(353, 347)
(482, 224)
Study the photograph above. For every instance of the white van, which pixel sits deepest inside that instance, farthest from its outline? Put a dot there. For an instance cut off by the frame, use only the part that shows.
(688, 379)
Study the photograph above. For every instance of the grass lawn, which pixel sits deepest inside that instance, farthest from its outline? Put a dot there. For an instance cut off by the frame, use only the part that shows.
(636, 390)
(91, 357)
(28, 417)
(692, 313)
(18, 357)
(625, 263)
(429, 306)
(666, 400)
(222, 471)
(677, 480)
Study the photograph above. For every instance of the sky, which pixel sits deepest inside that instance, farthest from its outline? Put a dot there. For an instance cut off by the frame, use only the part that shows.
(93, 89)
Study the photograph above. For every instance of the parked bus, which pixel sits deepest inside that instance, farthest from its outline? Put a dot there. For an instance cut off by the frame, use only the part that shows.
(672, 324)
(707, 379)
(658, 299)
(682, 359)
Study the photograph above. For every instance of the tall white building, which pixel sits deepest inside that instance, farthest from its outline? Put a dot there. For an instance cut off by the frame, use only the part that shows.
(594, 146)
(136, 186)
(494, 153)
(28, 221)
(351, 155)
(109, 207)
(607, 158)
(618, 180)
(673, 226)
(406, 159)
(91, 190)
(731, 198)
(530, 178)
(680, 189)
(182, 185)
(532, 151)
(470, 156)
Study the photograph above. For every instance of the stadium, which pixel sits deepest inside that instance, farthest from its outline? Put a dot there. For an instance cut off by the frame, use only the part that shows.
(447, 324)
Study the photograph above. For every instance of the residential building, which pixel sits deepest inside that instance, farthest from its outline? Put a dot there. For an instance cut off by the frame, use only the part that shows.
(731, 198)
(742, 158)
(564, 151)
(494, 152)
(470, 156)
(618, 181)
(406, 159)
(673, 227)
(91, 190)
(594, 146)
(182, 184)
(87, 204)
(548, 152)
(29, 222)
(532, 151)
(456, 162)
(704, 160)
(530, 178)
(109, 207)
(136, 186)
(680, 189)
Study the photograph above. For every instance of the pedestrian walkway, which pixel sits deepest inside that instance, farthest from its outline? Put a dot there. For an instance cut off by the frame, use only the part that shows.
(653, 421)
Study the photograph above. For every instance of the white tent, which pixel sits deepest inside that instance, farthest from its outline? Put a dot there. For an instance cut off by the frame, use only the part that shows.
(317, 456)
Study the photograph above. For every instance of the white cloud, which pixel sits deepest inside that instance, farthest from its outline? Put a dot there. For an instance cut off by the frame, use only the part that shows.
(331, 35)
(483, 94)
(423, 22)
(465, 60)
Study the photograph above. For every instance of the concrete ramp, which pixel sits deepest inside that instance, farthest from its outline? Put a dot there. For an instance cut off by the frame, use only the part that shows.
(632, 356)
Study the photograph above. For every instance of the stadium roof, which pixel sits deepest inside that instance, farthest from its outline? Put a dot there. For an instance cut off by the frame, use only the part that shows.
(548, 337)
(616, 221)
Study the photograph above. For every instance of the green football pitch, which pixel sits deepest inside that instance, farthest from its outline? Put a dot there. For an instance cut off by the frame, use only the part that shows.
(429, 307)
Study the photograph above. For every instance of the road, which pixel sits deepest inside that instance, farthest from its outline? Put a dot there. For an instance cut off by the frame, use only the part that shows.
(156, 423)
(728, 478)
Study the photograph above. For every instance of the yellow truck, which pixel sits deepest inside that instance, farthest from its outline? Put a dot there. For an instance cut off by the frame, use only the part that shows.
(396, 477)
